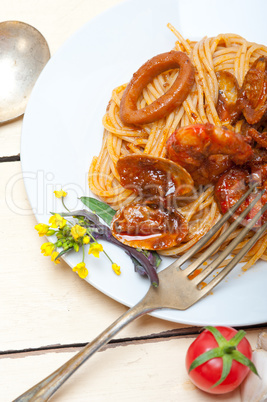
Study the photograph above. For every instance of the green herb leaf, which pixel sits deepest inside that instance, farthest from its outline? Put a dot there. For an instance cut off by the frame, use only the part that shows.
(100, 208)
(62, 253)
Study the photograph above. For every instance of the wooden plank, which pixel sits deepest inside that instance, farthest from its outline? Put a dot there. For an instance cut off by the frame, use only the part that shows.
(150, 371)
(10, 138)
(43, 303)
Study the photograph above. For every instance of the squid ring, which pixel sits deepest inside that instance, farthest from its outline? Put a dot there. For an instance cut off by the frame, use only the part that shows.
(164, 105)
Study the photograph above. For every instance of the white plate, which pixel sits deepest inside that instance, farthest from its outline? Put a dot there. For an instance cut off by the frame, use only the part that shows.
(62, 131)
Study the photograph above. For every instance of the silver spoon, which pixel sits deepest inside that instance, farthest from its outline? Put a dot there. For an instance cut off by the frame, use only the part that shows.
(23, 54)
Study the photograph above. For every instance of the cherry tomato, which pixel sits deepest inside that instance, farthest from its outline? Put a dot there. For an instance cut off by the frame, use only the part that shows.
(205, 375)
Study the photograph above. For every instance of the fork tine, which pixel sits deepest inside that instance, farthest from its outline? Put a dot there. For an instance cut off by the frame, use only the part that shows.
(193, 250)
(225, 271)
(215, 245)
(221, 257)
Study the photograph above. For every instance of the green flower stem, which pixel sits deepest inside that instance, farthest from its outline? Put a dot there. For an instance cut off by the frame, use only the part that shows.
(64, 205)
(92, 237)
(83, 252)
(112, 262)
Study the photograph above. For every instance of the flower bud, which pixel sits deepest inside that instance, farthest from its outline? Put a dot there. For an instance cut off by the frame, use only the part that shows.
(50, 232)
(76, 247)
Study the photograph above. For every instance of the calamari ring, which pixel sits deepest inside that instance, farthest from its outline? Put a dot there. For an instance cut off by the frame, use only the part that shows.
(164, 105)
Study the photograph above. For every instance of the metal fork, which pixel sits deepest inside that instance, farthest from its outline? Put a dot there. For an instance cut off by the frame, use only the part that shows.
(176, 291)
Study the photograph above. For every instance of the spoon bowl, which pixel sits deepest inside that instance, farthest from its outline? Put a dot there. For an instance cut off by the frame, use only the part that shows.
(23, 54)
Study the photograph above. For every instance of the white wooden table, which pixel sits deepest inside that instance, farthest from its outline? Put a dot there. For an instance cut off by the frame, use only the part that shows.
(47, 313)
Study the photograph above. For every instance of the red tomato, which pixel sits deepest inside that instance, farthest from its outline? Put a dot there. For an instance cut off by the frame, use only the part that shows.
(207, 374)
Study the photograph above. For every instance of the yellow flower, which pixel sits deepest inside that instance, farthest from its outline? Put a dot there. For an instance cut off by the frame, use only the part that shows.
(81, 269)
(95, 249)
(60, 194)
(57, 221)
(86, 240)
(54, 256)
(47, 249)
(42, 229)
(116, 269)
(77, 231)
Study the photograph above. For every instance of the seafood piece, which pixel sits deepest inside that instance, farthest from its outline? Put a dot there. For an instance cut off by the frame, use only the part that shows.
(165, 104)
(233, 184)
(258, 159)
(149, 226)
(259, 137)
(228, 93)
(259, 173)
(253, 96)
(206, 151)
(256, 136)
(151, 223)
(151, 176)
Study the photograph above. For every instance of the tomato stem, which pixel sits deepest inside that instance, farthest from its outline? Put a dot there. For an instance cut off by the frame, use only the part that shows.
(228, 349)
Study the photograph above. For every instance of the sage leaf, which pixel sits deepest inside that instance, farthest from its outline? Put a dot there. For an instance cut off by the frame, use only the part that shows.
(62, 253)
(100, 208)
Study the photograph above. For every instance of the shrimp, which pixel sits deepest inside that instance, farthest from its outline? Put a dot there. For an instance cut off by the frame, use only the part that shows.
(206, 151)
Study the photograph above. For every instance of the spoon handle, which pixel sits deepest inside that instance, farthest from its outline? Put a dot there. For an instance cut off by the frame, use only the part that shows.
(47, 387)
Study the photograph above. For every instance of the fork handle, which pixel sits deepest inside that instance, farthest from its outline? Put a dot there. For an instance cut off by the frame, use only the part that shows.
(47, 387)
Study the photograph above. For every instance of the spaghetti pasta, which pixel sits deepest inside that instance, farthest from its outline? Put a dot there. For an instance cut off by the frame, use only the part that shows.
(225, 52)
